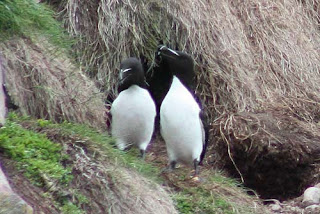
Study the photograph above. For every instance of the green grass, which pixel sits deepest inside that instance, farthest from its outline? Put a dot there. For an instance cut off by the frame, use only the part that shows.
(38, 158)
(215, 194)
(30, 19)
(199, 200)
(103, 141)
(128, 158)
(223, 180)
(70, 208)
(35, 153)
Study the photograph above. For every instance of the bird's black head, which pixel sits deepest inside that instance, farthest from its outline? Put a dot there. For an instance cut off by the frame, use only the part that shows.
(179, 63)
(131, 73)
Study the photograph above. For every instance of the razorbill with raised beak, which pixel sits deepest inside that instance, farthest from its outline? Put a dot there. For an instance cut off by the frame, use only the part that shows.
(181, 124)
(133, 111)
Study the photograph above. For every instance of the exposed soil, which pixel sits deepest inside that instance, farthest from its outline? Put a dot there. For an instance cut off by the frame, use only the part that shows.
(275, 153)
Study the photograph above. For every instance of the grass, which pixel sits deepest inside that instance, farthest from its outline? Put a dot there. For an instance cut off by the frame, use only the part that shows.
(218, 178)
(99, 147)
(31, 19)
(207, 198)
(70, 208)
(38, 158)
(198, 200)
(107, 145)
(34, 153)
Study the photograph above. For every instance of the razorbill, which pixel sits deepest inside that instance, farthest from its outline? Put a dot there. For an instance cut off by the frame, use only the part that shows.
(181, 123)
(133, 111)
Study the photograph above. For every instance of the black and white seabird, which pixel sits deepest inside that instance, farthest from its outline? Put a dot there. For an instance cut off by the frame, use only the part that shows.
(133, 111)
(181, 123)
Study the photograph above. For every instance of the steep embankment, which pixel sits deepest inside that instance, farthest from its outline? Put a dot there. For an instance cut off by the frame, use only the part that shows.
(258, 74)
(257, 66)
(69, 168)
(60, 175)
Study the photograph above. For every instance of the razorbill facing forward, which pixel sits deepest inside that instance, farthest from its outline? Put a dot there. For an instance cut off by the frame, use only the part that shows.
(133, 111)
(181, 125)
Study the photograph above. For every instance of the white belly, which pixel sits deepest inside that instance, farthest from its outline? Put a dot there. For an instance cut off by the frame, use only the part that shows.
(180, 124)
(133, 113)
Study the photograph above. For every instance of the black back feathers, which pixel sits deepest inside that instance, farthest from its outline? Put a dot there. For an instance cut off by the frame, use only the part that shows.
(179, 64)
(171, 62)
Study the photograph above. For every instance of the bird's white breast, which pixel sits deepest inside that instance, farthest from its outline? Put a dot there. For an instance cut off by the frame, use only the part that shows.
(133, 113)
(180, 124)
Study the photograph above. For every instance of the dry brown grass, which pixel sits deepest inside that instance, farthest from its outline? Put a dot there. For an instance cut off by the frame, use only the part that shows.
(45, 84)
(248, 53)
(273, 152)
(112, 188)
(251, 56)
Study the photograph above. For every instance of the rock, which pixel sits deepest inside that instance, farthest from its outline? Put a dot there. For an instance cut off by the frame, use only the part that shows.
(311, 196)
(10, 202)
(296, 210)
(291, 210)
(3, 108)
(313, 209)
(275, 207)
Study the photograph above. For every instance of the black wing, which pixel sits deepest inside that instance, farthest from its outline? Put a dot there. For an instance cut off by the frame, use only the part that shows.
(205, 126)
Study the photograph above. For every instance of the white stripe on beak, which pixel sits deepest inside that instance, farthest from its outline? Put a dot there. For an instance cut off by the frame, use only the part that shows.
(123, 71)
(162, 47)
(172, 51)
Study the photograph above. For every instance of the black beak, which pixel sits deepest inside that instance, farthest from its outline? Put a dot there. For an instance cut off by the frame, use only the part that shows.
(123, 78)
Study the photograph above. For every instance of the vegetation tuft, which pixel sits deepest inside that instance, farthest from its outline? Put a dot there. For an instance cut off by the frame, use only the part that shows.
(34, 153)
(29, 18)
(214, 194)
(195, 200)
(40, 159)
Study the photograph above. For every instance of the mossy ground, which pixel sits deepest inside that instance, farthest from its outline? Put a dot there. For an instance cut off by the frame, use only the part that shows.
(46, 164)
(38, 158)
